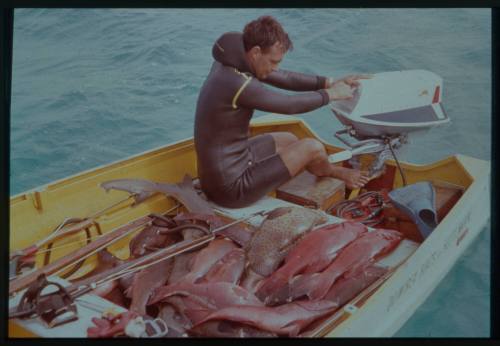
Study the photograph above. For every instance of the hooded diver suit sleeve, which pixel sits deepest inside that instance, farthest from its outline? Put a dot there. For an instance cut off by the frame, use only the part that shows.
(295, 81)
(256, 96)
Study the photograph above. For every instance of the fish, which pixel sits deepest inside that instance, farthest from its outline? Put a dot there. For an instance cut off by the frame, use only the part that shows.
(277, 234)
(208, 257)
(143, 189)
(251, 281)
(184, 261)
(140, 189)
(182, 266)
(111, 325)
(228, 269)
(146, 281)
(191, 308)
(116, 295)
(228, 329)
(194, 302)
(176, 322)
(149, 239)
(214, 294)
(346, 288)
(351, 261)
(287, 319)
(313, 253)
(240, 233)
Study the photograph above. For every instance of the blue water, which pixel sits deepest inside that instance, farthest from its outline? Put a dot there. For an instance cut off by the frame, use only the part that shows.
(94, 86)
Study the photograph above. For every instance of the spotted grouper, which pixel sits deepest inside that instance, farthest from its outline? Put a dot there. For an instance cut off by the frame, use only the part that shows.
(277, 234)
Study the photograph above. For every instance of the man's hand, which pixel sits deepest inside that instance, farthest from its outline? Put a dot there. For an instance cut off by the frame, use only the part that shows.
(340, 91)
(351, 80)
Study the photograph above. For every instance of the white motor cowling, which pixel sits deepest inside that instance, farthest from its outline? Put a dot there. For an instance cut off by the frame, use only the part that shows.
(393, 103)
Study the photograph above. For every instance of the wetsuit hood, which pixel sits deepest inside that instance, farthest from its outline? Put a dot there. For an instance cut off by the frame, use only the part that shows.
(230, 51)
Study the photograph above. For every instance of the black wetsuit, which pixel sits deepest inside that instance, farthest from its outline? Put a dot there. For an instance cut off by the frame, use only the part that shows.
(236, 170)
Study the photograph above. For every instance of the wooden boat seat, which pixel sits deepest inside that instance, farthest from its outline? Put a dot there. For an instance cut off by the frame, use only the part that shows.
(309, 190)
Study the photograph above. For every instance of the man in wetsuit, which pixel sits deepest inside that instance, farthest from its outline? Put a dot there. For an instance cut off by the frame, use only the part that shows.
(236, 170)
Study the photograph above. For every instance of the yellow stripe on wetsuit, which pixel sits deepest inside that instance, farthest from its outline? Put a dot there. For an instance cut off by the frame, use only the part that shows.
(240, 90)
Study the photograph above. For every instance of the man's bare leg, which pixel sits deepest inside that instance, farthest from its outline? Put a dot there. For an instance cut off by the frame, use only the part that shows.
(283, 140)
(310, 154)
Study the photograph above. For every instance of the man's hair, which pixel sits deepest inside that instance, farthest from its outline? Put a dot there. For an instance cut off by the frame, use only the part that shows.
(264, 32)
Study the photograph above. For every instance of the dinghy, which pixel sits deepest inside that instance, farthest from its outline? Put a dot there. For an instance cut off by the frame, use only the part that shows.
(410, 272)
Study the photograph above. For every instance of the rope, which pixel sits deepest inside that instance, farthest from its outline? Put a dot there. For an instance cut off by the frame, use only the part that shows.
(366, 208)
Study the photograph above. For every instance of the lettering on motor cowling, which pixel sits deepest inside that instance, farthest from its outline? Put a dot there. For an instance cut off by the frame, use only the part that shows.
(458, 233)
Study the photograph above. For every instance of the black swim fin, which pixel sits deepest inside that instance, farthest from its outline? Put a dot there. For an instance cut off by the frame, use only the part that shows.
(418, 201)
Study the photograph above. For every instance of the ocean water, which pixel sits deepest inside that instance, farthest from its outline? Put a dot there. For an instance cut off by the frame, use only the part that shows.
(92, 86)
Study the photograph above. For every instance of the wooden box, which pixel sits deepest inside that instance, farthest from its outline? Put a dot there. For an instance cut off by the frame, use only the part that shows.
(311, 191)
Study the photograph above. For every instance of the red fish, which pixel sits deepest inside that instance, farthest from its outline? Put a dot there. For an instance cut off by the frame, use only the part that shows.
(228, 329)
(146, 281)
(288, 319)
(177, 323)
(350, 262)
(187, 310)
(346, 288)
(194, 302)
(207, 257)
(186, 263)
(228, 269)
(182, 266)
(215, 294)
(312, 254)
(251, 281)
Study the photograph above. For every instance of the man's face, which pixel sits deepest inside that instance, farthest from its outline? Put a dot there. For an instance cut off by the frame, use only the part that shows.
(267, 62)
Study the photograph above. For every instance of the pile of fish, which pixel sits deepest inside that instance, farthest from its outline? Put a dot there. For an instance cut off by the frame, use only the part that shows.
(273, 281)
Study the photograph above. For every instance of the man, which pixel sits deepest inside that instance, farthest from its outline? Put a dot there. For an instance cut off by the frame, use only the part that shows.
(236, 170)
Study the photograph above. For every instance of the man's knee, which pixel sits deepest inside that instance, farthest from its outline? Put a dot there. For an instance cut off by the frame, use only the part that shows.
(314, 147)
(290, 137)
(283, 139)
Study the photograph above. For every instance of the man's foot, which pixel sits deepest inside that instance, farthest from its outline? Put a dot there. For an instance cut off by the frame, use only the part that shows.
(353, 178)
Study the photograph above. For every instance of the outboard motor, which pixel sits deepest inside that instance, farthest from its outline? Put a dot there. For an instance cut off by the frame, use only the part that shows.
(385, 109)
(382, 112)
